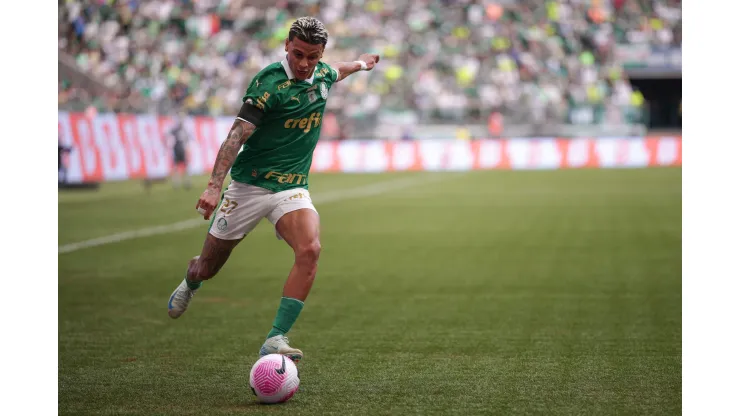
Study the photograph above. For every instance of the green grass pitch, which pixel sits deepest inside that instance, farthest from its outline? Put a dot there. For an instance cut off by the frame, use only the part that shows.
(541, 292)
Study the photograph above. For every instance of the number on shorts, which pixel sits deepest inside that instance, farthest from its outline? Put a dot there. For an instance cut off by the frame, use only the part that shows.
(228, 206)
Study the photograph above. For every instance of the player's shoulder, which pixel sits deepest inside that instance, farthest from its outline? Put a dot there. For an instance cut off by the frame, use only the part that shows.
(324, 70)
(322, 65)
(272, 74)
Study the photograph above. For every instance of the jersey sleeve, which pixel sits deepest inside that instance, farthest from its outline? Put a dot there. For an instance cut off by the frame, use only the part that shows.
(329, 74)
(333, 74)
(261, 93)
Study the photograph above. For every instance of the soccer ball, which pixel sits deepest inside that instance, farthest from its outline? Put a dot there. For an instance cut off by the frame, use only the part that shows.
(274, 378)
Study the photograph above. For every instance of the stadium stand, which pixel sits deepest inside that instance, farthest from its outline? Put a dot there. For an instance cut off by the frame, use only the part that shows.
(528, 62)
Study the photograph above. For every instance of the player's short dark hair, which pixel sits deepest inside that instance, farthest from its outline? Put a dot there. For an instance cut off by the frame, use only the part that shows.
(309, 30)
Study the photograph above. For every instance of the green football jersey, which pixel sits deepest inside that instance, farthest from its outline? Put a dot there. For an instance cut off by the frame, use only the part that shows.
(278, 154)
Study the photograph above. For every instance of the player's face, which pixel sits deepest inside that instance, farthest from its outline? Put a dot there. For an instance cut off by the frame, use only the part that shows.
(303, 57)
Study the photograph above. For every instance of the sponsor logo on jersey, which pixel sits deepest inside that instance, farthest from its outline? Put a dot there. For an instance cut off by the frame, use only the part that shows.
(285, 84)
(262, 101)
(321, 72)
(324, 91)
(291, 178)
(306, 123)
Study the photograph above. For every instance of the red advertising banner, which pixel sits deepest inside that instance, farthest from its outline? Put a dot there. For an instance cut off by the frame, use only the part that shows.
(112, 147)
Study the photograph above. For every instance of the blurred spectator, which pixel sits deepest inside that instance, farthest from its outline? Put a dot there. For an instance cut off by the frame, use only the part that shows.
(529, 61)
(178, 140)
(64, 150)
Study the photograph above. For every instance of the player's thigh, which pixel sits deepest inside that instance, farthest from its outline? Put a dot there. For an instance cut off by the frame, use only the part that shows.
(241, 209)
(296, 219)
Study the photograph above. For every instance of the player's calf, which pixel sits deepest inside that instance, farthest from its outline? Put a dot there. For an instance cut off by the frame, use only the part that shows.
(200, 270)
(300, 229)
(307, 261)
(213, 256)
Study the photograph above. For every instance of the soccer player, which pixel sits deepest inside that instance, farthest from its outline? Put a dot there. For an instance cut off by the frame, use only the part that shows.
(179, 139)
(63, 150)
(277, 129)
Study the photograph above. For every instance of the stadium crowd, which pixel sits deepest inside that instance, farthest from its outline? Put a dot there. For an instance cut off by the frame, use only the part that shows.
(444, 60)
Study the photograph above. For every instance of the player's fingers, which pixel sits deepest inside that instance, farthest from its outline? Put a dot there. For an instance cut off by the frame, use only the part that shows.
(204, 208)
(377, 58)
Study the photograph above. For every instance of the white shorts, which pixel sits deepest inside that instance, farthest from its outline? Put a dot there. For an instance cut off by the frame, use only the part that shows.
(243, 206)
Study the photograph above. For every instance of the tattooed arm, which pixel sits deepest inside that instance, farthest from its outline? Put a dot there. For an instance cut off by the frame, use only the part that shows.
(240, 132)
(346, 69)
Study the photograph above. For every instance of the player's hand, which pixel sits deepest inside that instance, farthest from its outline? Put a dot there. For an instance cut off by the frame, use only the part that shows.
(369, 59)
(207, 202)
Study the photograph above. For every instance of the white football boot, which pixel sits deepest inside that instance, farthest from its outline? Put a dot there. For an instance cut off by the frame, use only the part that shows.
(180, 300)
(279, 345)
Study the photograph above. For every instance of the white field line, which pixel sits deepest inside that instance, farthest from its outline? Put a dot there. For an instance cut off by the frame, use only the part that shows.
(325, 198)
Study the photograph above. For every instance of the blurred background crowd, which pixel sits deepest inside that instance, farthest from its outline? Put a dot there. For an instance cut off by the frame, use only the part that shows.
(443, 61)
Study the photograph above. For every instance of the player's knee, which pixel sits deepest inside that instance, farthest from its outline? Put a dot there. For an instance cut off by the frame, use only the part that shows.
(308, 253)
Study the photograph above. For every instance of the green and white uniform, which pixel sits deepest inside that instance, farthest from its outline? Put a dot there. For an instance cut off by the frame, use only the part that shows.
(270, 174)
(278, 154)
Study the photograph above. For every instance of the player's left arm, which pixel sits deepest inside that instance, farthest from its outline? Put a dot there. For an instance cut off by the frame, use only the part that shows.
(365, 62)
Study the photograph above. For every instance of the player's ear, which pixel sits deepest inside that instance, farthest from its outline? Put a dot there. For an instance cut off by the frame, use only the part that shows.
(286, 44)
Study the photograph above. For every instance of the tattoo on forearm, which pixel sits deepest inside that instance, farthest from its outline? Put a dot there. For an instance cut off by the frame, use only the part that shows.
(239, 133)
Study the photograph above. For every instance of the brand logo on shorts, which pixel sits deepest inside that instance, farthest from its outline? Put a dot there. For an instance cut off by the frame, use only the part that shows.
(297, 196)
(221, 224)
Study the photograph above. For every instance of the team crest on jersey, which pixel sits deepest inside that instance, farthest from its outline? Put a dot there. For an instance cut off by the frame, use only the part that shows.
(311, 96)
(324, 91)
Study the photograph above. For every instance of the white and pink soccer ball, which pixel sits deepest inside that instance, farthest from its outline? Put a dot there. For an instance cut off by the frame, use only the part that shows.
(274, 378)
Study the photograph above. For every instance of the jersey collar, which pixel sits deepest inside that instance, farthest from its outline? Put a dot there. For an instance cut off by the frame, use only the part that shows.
(290, 74)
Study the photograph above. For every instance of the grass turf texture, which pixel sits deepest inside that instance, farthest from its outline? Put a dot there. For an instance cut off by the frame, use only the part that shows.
(484, 292)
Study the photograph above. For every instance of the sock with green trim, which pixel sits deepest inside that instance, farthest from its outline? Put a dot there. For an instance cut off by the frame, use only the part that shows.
(192, 285)
(286, 316)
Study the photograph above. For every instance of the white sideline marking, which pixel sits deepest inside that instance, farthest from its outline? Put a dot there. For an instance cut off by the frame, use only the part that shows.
(325, 198)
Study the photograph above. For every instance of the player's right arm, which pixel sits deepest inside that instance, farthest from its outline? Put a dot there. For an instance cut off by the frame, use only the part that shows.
(256, 103)
(238, 135)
